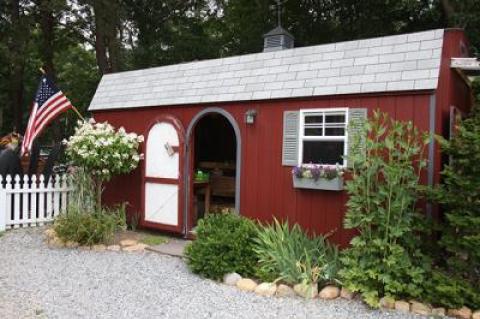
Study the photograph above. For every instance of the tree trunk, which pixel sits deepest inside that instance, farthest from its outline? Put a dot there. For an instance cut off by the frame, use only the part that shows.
(100, 47)
(17, 61)
(47, 27)
(47, 23)
(448, 12)
(107, 43)
(99, 190)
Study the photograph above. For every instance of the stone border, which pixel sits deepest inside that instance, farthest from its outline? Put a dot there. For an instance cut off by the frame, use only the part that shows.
(330, 292)
(127, 245)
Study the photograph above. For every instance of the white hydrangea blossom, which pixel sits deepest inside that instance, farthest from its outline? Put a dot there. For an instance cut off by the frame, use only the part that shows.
(102, 150)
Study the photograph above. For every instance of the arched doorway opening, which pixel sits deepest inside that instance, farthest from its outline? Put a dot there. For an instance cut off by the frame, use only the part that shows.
(213, 164)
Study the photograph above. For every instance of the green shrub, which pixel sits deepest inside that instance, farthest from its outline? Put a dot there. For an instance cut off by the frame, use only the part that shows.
(460, 197)
(288, 254)
(224, 244)
(89, 228)
(385, 258)
(445, 290)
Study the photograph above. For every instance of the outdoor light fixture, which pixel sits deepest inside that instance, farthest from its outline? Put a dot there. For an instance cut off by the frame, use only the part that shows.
(250, 116)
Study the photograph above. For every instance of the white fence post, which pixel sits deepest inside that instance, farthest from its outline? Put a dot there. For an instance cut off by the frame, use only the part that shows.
(3, 206)
(16, 201)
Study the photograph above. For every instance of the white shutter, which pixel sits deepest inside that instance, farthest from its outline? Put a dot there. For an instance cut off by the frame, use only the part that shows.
(291, 123)
(356, 117)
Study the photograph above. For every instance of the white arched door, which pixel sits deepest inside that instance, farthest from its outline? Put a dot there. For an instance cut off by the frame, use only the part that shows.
(162, 186)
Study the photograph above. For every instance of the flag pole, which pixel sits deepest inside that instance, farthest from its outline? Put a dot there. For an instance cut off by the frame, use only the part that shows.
(78, 113)
(73, 107)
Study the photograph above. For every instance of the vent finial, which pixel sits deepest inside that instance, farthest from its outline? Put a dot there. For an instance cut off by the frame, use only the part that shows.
(279, 13)
(278, 38)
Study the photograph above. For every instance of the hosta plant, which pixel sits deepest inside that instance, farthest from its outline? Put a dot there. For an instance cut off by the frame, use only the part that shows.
(385, 257)
(103, 151)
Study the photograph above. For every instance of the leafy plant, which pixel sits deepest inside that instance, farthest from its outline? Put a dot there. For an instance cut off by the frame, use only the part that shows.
(460, 197)
(89, 228)
(224, 244)
(385, 257)
(134, 220)
(288, 254)
(445, 290)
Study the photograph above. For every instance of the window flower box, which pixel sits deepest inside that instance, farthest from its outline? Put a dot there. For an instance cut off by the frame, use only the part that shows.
(322, 177)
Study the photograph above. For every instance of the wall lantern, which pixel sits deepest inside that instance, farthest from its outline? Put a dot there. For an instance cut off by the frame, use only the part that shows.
(250, 116)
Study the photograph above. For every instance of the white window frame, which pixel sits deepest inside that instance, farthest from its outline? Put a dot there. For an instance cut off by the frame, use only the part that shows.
(302, 137)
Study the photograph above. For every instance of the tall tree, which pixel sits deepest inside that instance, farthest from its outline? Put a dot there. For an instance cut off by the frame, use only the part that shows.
(171, 31)
(47, 26)
(17, 41)
(464, 14)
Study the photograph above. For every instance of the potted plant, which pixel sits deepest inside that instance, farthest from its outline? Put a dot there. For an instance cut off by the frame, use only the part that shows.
(316, 176)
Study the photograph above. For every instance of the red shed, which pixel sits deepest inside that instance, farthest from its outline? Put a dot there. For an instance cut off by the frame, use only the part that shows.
(247, 120)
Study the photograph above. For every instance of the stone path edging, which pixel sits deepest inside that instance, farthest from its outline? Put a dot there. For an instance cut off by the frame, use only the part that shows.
(331, 292)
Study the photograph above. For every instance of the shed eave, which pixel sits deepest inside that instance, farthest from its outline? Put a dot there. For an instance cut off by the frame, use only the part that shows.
(426, 91)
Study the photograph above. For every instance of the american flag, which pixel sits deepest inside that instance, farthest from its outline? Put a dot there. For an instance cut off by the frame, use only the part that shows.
(49, 102)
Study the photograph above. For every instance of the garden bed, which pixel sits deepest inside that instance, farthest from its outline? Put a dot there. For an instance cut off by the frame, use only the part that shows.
(127, 241)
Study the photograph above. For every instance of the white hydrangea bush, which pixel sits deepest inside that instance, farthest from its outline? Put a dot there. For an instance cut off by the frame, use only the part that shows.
(102, 150)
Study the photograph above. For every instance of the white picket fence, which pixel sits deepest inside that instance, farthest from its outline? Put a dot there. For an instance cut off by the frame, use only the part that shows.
(30, 202)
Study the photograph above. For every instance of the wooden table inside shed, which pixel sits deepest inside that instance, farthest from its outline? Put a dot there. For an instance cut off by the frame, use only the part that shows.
(203, 187)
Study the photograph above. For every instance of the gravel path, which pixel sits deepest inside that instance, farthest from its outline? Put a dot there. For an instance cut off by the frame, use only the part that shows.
(38, 282)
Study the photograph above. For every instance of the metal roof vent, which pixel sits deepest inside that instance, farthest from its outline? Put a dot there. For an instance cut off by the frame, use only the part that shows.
(278, 38)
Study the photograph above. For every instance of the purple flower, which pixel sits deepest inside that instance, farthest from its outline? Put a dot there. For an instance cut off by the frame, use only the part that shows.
(297, 171)
(316, 172)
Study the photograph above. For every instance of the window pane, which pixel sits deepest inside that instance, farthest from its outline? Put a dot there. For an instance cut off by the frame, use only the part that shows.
(323, 152)
(335, 118)
(334, 131)
(313, 131)
(314, 119)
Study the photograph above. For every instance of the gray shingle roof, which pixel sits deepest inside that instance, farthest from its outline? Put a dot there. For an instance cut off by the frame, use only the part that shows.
(392, 63)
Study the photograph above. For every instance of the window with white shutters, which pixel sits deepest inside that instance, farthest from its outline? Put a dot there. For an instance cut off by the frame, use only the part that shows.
(320, 136)
(323, 136)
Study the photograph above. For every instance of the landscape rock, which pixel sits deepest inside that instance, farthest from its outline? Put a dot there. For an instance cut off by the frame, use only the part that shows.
(476, 314)
(306, 291)
(439, 312)
(128, 242)
(50, 233)
(266, 289)
(100, 247)
(420, 308)
(137, 247)
(246, 284)
(462, 313)
(402, 306)
(387, 302)
(71, 244)
(285, 291)
(329, 292)
(113, 247)
(346, 294)
(231, 278)
(56, 242)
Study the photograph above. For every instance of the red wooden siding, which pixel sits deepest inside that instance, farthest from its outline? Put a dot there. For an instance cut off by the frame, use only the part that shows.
(452, 89)
(266, 185)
